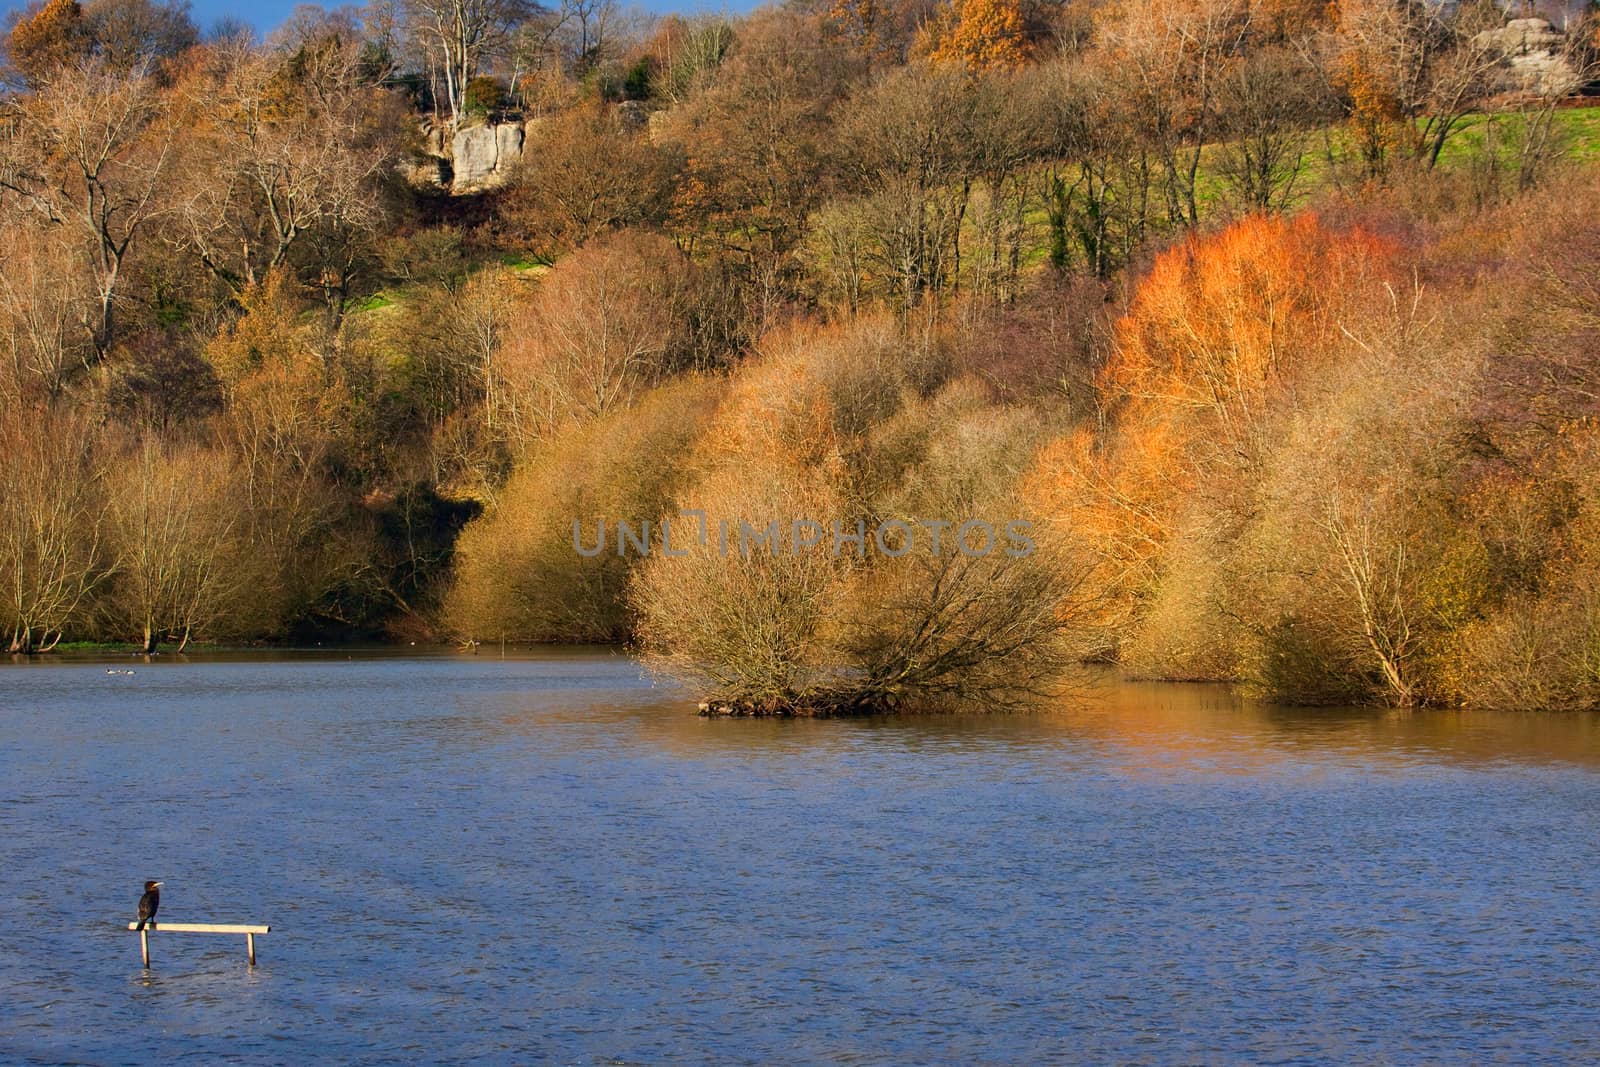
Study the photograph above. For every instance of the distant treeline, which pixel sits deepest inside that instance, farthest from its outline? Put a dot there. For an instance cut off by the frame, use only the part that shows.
(1277, 321)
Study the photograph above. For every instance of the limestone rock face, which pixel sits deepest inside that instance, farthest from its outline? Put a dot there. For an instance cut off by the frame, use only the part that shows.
(471, 159)
(509, 137)
(1532, 58)
(483, 157)
(427, 172)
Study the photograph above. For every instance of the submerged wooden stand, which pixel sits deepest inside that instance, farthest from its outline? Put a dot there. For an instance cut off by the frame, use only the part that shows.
(249, 933)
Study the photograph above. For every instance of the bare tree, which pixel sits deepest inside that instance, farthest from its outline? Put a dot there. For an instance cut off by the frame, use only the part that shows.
(1423, 65)
(601, 328)
(172, 520)
(582, 175)
(41, 295)
(1270, 103)
(911, 150)
(52, 552)
(1379, 579)
(756, 138)
(91, 152)
(128, 33)
(288, 153)
(1098, 179)
(452, 340)
(460, 37)
(1172, 59)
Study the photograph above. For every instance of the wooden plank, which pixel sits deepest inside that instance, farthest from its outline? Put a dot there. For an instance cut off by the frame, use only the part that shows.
(204, 928)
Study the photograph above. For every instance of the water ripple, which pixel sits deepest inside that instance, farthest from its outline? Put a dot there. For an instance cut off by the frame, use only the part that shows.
(551, 859)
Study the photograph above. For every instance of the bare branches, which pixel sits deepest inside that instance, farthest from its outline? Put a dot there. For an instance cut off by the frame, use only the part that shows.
(288, 153)
(53, 557)
(461, 36)
(90, 152)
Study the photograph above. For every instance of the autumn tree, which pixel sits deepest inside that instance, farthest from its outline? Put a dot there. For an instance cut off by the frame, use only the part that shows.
(448, 341)
(1539, 649)
(122, 35)
(583, 173)
(293, 418)
(458, 37)
(608, 322)
(1361, 568)
(1217, 330)
(53, 556)
(980, 35)
(757, 153)
(855, 425)
(752, 627)
(519, 574)
(990, 630)
(91, 152)
(910, 156)
(872, 33)
(1172, 60)
(128, 34)
(1412, 72)
(1534, 503)
(42, 295)
(291, 150)
(171, 517)
(46, 38)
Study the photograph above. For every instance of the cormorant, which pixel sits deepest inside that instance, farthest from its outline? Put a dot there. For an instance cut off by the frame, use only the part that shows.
(149, 903)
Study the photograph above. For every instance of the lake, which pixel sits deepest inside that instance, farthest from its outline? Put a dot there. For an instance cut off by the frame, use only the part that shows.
(550, 858)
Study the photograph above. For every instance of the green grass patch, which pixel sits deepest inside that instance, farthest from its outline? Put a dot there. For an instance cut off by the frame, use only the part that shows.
(375, 302)
(525, 261)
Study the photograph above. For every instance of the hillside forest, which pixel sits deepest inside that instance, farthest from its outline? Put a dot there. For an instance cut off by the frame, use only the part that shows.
(1276, 321)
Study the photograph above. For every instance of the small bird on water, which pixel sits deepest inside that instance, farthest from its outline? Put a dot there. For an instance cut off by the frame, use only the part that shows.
(149, 903)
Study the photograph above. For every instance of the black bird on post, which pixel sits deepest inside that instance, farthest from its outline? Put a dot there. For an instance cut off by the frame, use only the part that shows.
(149, 903)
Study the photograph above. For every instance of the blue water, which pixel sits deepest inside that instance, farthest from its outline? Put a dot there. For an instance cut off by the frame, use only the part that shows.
(550, 859)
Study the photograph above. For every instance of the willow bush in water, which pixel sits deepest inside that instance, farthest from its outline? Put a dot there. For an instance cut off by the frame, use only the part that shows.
(856, 431)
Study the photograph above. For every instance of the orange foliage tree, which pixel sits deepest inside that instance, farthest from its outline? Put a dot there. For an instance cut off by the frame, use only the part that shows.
(48, 39)
(1376, 120)
(858, 22)
(1213, 337)
(981, 35)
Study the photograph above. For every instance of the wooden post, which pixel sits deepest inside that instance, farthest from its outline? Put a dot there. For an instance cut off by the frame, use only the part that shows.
(249, 933)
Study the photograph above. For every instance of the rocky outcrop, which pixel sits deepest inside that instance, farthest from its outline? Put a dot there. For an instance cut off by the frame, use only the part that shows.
(1533, 58)
(429, 168)
(468, 160)
(482, 157)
